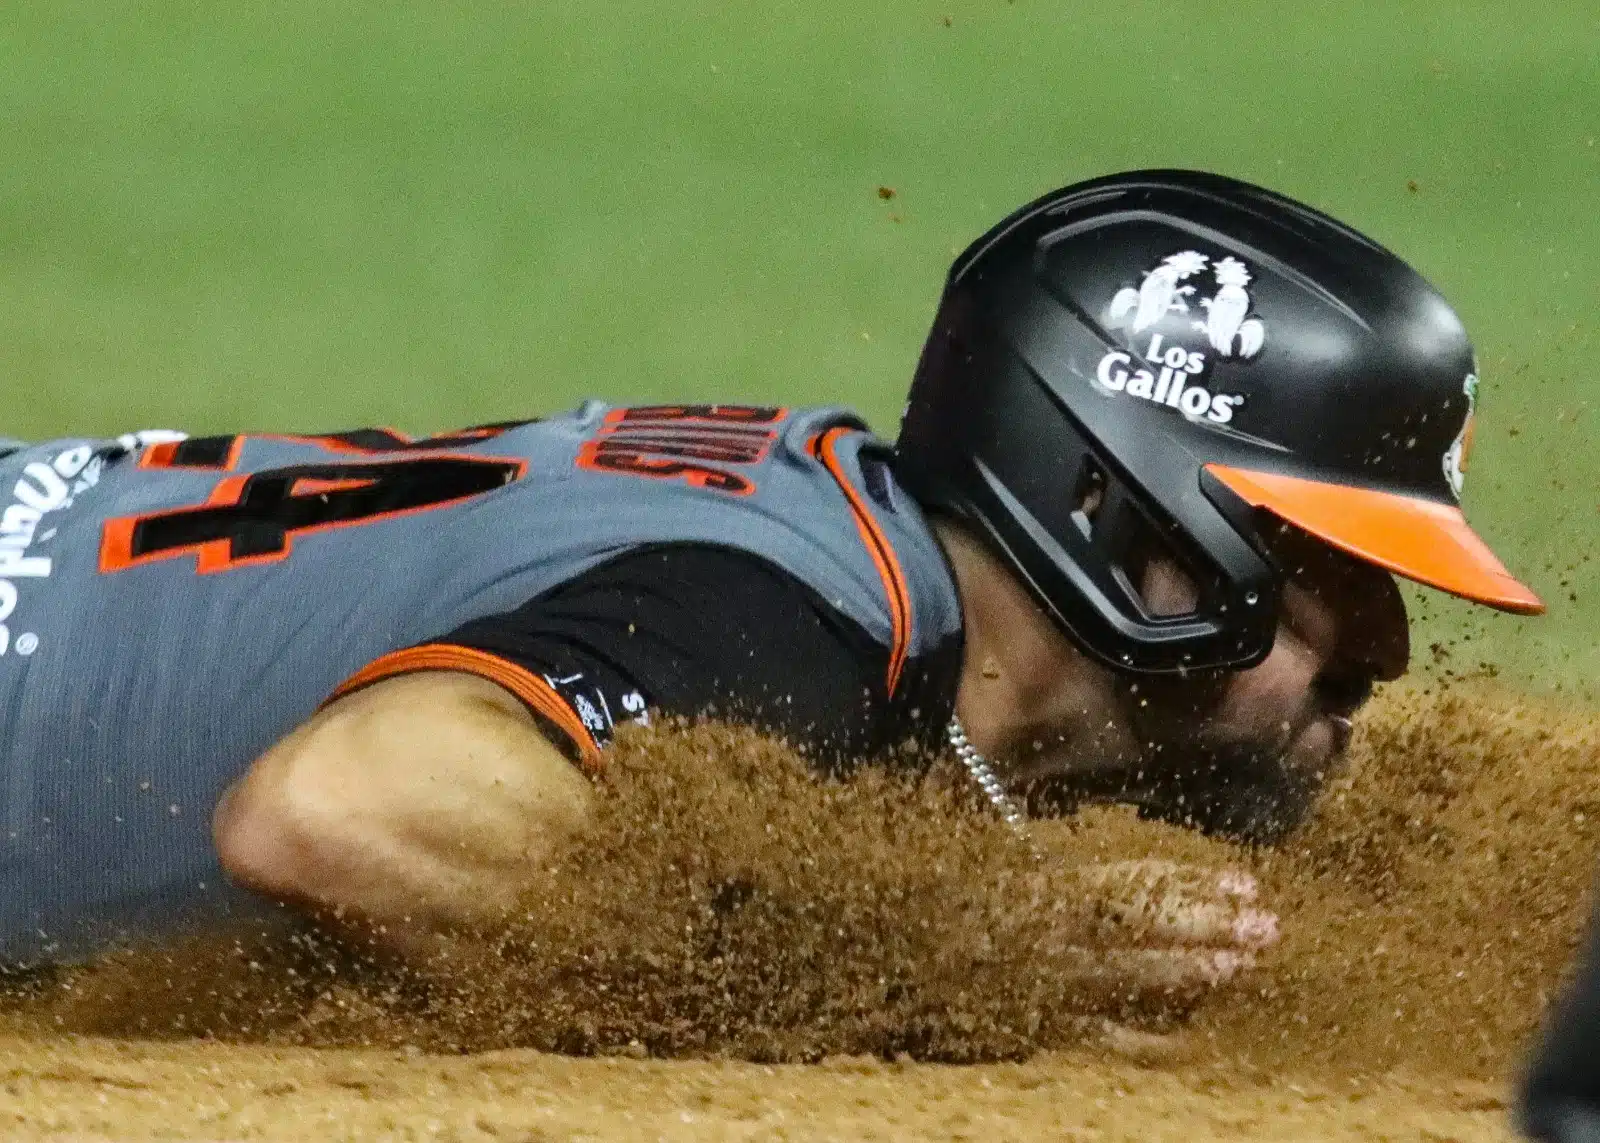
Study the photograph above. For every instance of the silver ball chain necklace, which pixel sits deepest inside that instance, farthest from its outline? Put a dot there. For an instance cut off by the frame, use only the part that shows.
(982, 772)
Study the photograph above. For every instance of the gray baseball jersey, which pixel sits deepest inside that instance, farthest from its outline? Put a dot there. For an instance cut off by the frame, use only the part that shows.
(169, 608)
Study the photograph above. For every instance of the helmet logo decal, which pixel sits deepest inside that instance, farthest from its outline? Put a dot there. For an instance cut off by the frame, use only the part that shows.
(1158, 295)
(1223, 318)
(1455, 457)
(1226, 320)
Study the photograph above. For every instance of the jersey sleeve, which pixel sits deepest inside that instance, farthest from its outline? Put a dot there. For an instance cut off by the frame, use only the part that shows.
(691, 630)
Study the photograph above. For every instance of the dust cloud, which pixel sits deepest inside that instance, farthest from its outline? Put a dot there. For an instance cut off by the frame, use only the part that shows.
(731, 905)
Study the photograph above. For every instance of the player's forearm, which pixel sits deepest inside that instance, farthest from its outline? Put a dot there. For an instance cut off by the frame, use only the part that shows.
(423, 806)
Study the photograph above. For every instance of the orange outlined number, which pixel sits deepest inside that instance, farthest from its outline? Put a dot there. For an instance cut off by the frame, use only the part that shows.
(255, 518)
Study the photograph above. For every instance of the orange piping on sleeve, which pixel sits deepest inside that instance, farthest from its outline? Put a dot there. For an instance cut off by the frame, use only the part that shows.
(527, 686)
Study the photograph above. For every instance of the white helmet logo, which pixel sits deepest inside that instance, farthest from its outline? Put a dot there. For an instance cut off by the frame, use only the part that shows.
(1158, 295)
(1227, 324)
(1168, 365)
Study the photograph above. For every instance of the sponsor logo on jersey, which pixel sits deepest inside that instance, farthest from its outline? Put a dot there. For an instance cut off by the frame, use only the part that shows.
(1177, 342)
(1455, 457)
(45, 487)
(588, 700)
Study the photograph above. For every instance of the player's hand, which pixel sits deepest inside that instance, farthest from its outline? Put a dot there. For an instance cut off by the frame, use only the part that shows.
(1166, 935)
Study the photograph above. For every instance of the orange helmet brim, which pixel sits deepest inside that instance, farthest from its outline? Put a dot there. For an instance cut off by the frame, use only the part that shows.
(1422, 540)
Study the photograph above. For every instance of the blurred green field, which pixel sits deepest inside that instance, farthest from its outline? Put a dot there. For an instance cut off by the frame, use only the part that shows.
(304, 215)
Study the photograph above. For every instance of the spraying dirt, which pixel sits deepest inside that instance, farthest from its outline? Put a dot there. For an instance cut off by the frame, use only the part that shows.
(733, 909)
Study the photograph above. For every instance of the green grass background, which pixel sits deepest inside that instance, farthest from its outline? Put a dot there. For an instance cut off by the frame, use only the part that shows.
(315, 215)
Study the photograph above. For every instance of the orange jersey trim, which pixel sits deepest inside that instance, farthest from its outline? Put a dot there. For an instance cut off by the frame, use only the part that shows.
(539, 695)
(878, 547)
(164, 455)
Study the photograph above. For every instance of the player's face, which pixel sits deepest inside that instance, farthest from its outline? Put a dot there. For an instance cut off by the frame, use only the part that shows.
(1244, 752)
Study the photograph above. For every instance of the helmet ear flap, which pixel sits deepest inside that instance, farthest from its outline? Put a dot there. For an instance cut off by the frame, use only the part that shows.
(1099, 504)
(1083, 509)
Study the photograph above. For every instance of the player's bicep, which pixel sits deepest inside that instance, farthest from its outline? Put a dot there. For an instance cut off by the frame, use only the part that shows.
(433, 795)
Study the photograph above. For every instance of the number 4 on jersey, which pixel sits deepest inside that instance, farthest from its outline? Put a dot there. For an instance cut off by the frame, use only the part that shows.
(253, 519)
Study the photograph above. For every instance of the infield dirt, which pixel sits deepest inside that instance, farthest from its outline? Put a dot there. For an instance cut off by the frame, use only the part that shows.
(740, 923)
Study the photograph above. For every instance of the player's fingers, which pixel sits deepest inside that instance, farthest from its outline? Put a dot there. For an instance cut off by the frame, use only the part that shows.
(1256, 929)
(1103, 981)
(1154, 876)
(1153, 904)
(1238, 884)
(1107, 874)
(1180, 971)
(1174, 920)
(1227, 926)
(1161, 903)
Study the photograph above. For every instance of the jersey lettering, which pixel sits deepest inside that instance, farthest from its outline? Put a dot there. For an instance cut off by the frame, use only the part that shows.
(692, 443)
(710, 414)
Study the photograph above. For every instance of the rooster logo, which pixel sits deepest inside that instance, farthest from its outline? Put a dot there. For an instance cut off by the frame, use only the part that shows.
(1227, 325)
(1158, 295)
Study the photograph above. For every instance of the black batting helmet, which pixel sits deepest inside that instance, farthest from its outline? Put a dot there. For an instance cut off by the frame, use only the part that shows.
(1151, 358)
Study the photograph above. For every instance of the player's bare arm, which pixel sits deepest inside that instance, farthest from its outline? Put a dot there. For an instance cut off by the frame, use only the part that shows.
(423, 803)
(432, 803)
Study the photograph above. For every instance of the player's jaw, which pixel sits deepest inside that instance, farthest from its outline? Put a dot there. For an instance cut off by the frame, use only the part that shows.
(1245, 753)
(1242, 755)
(1255, 788)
